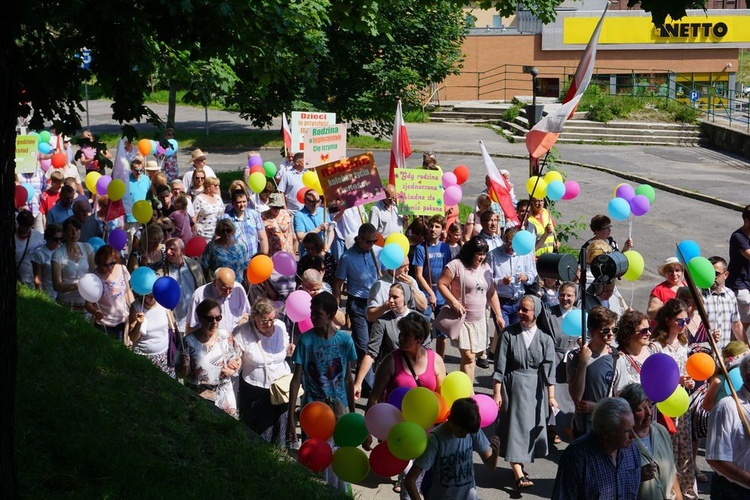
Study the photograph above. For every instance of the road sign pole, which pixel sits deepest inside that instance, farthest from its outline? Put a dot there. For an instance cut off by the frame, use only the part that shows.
(86, 90)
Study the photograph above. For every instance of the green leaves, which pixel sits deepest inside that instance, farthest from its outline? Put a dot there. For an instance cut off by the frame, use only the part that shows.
(660, 9)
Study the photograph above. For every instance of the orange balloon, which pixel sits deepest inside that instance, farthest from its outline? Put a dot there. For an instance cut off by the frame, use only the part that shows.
(700, 366)
(443, 409)
(144, 147)
(462, 173)
(260, 269)
(381, 241)
(317, 420)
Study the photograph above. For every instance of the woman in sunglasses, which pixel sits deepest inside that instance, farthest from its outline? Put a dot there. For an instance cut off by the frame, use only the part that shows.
(633, 339)
(225, 251)
(210, 359)
(111, 312)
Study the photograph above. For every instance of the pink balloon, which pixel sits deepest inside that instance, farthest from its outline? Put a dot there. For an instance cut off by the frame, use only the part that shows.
(160, 150)
(305, 325)
(487, 409)
(640, 205)
(284, 263)
(46, 163)
(452, 195)
(381, 418)
(298, 305)
(572, 189)
(449, 179)
(626, 192)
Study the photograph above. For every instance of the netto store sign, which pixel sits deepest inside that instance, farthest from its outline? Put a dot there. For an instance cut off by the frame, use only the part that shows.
(693, 30)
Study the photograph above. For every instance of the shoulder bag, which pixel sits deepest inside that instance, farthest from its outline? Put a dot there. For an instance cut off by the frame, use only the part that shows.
(280, 387)
(448, 320)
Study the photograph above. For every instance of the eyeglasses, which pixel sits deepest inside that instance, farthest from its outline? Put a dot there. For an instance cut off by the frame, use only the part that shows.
(167, 230)
(109, 265)
(371, 242)
(198, 178)
(613, 330)
(645, 331)
(137, 170)
(308, 200)
(213, 318)
(266, 321)
(719, 273)
(682, 322)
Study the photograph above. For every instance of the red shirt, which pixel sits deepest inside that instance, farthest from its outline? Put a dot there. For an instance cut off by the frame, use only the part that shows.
(48, 200)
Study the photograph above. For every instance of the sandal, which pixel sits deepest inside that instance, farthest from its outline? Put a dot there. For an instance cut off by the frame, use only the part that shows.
(700, 476)
(524, 482)
(397, 486)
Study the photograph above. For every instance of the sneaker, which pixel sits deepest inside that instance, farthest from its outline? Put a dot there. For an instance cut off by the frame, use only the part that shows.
(483, 363)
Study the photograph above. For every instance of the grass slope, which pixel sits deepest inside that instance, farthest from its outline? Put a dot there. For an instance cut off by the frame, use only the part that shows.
(94, 420)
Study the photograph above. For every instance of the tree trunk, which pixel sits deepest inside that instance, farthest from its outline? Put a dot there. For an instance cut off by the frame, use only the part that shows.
(172, 106)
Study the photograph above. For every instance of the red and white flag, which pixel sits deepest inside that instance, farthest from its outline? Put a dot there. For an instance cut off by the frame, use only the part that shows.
(400, 147)
(543, 136)
(121, 170)
(286, 132)
(499, 187)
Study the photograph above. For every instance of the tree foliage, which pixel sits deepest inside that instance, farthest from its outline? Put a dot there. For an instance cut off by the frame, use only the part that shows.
(660, 9)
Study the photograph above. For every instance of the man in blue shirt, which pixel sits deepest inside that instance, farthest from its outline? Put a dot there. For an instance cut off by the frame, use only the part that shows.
(63, 208)
(247, 224)
(313, 219)
(139, 185)
(511, 272)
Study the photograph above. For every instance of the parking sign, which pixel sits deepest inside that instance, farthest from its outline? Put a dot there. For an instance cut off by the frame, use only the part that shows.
(694, 95)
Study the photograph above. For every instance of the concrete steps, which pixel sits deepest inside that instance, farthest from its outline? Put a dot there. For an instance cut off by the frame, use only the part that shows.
(479, 113)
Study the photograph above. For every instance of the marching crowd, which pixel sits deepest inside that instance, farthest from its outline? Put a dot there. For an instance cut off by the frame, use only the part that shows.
(232, 340)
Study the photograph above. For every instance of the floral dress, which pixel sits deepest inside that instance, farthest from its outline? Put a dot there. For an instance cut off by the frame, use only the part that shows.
(279, 231)
(207, 214)
(206, 363)
(235, 257)
(169, 166)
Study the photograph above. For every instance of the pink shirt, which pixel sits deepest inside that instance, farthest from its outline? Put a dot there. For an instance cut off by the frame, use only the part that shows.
(476, 285)
(403, 377)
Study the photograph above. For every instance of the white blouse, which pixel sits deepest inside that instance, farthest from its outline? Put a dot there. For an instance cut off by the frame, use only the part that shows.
(263, 358)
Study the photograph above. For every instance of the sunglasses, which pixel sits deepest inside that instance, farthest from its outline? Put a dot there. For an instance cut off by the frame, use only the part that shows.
(682, 322)
(613, 330)
(266, 321)
(199, 178)
(213, 318)
(137, 170)
(371, 242)
(308, 200)
(645, 331)
(109, 265)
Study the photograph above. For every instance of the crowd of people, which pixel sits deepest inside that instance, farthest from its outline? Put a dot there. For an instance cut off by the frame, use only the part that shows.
(232, 342)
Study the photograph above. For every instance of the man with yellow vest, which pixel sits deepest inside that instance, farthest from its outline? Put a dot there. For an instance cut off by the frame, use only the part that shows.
(541, 219)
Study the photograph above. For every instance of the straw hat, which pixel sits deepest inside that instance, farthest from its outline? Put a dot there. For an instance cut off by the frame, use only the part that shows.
(276, 200)
(197, 154)
(152, 166)
(670, 261)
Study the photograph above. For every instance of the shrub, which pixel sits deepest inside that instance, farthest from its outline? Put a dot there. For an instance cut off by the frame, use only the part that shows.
(686, 114)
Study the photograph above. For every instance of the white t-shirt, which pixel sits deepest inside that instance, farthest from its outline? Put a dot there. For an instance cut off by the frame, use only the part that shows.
(187, 179)
(43, 256)
(25, 270)
(154, 330)
(264, 363)
(72, 271)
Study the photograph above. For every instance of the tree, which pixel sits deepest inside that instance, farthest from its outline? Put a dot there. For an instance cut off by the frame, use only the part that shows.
(660, 9)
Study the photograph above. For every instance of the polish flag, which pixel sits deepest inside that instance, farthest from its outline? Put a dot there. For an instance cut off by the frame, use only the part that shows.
(400, 147)
(286, 132)
(543, 136)
(121, 170)
(499, 186)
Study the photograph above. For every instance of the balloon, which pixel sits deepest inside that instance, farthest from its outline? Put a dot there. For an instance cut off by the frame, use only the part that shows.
(315, 454)
(400, 239)
(676, 404)
(154, 147)
(254, 160)
(160, 149)
(647, 191)
(392, 256)
(59, 160)
(350, 430)
(625, 191)
(383, 463)
(317, 420)
(443, 409)
(256, 182)
(301, 194)
(284, 263)
(116, 191)
(350, 464)
(396, 396)
(573, 322)
(572, 189)
(452, 195)
(29, 191)
(381, 241)
(166, 291)
(90, 287)
(310, 180)
(702, 272)
(407, 440)
(688, 249)
(381, 418)
(553, 176)
(462, 173)
(536, 187)
(144, 147)
(735, 377)
(523, 242)
(487, 409)
(456, 385)
(96, 242)
(117, 239)
(259, 269)
(305, 325)
(91, 180)
(449, 179)
(20, 196)
(101, 185)
(142, 280)
(45, 163)
(555, 190)
(297, 305)
(639, 205)
(142, 210)
(195, 246)
(44, 136)
(257, 168)
(45, 148)
(618, 209)
(172, 149)
(700, 366)
(270, 169)
(636, 265)
(421, 406)
(660, 375)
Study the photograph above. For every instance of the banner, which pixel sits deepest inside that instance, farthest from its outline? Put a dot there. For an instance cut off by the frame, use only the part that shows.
(351, 182)
(325, 144)
(419, 192)
(303, 120)
(27, 147)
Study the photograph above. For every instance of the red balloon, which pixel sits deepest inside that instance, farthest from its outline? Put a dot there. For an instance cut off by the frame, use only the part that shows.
(383, 463)
(301, 194)
(462, 173)
(315, 454)
(20, 196)
(195, 247)
(59, 160)
(258, 168)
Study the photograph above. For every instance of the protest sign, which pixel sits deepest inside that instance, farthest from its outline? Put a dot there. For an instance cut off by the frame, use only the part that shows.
(419, 192)
(325, 144)
(351, 182)
(303, 120)
(26, 153)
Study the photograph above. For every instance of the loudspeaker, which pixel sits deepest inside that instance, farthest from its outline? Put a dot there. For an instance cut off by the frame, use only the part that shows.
(557, 266)
(609, 266)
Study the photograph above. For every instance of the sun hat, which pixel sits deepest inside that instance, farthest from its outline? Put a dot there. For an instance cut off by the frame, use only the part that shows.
(197, 154)
(152, 165)
(670, 261)
(276, 200)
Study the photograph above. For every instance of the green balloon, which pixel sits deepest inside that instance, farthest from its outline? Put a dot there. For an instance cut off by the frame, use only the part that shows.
(44, 136)
(350, 430)
(676, 404)
(635, 265)
(646, 191)
(350, 464)
(270, 168)
(702, 272)
(407, 440)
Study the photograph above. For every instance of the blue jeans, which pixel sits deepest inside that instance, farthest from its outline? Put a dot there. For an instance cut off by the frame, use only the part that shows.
(356, 309)
(510, 311)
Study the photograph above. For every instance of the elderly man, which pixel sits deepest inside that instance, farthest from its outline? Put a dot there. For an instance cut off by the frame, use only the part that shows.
(312, 282)
(188, 274)
(605, 463)
(313, 219)
(721, 306)
(289, 182)
(178, 189)
(248, 224)
(235, 308)
(491, 229)
(384, 214)
(727, 443)
(64, 206)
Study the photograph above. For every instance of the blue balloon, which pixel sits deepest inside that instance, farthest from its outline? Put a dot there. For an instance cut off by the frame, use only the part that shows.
(166, 291)
(45, 148)
(392, 256)
(736, 378)
(573, 322)
(618, 209)
(172, 149)
(396, 397)
(523, 242)
(154, 147)
(29, 189)
(555, 190)
(96, 242)
(142, 280)
(688, 249)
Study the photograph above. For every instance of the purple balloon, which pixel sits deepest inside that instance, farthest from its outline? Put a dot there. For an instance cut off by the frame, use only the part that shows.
(660, 376)
(118, 239)
(626, 192)
(254, 160)
(101, 185)
(396, 397)
(640, 205)
(284, 263)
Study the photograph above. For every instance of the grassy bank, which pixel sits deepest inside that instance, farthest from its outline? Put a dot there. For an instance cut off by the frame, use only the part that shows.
(94, 420)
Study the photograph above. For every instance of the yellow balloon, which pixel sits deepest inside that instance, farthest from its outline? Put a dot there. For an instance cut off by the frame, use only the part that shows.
(675, 405)
(536, 187)
(400, 240)
(420, 405)
(91, 179)
(635, 265)
(143, 211)
(256, 182)
(116, 190)
(456, 385)
(553, 175)
(310, 179)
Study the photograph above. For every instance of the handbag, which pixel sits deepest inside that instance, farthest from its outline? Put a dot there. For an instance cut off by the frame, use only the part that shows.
(448, 320)
(173, 348)
(279, 388)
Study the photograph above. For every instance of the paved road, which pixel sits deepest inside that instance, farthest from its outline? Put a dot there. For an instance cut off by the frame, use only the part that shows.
(720, 180)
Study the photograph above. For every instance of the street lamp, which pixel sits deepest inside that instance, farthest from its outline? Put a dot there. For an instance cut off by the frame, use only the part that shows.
(534, 111)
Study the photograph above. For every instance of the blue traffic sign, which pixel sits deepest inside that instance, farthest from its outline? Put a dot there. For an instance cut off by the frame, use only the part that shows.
(85, 58)
(694, 95)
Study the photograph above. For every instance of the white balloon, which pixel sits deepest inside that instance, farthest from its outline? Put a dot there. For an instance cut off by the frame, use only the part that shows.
(90, 287)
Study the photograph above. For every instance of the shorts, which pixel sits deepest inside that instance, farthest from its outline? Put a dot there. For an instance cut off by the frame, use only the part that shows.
(743, 304)
(473, 337)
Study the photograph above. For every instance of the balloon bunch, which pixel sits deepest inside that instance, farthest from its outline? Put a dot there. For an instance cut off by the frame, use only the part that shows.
(143, 281)
(258, 172)
(103, 185)
(43, 144)
(452, 182)
(58, 159)
(552, 186)
(626, 201)
(394, 251)
(148, 147)
(660, 378)
(23, 194)
(700, 268)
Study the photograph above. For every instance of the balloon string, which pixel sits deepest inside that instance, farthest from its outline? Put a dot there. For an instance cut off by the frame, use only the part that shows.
(630, 227)
(632, 292)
